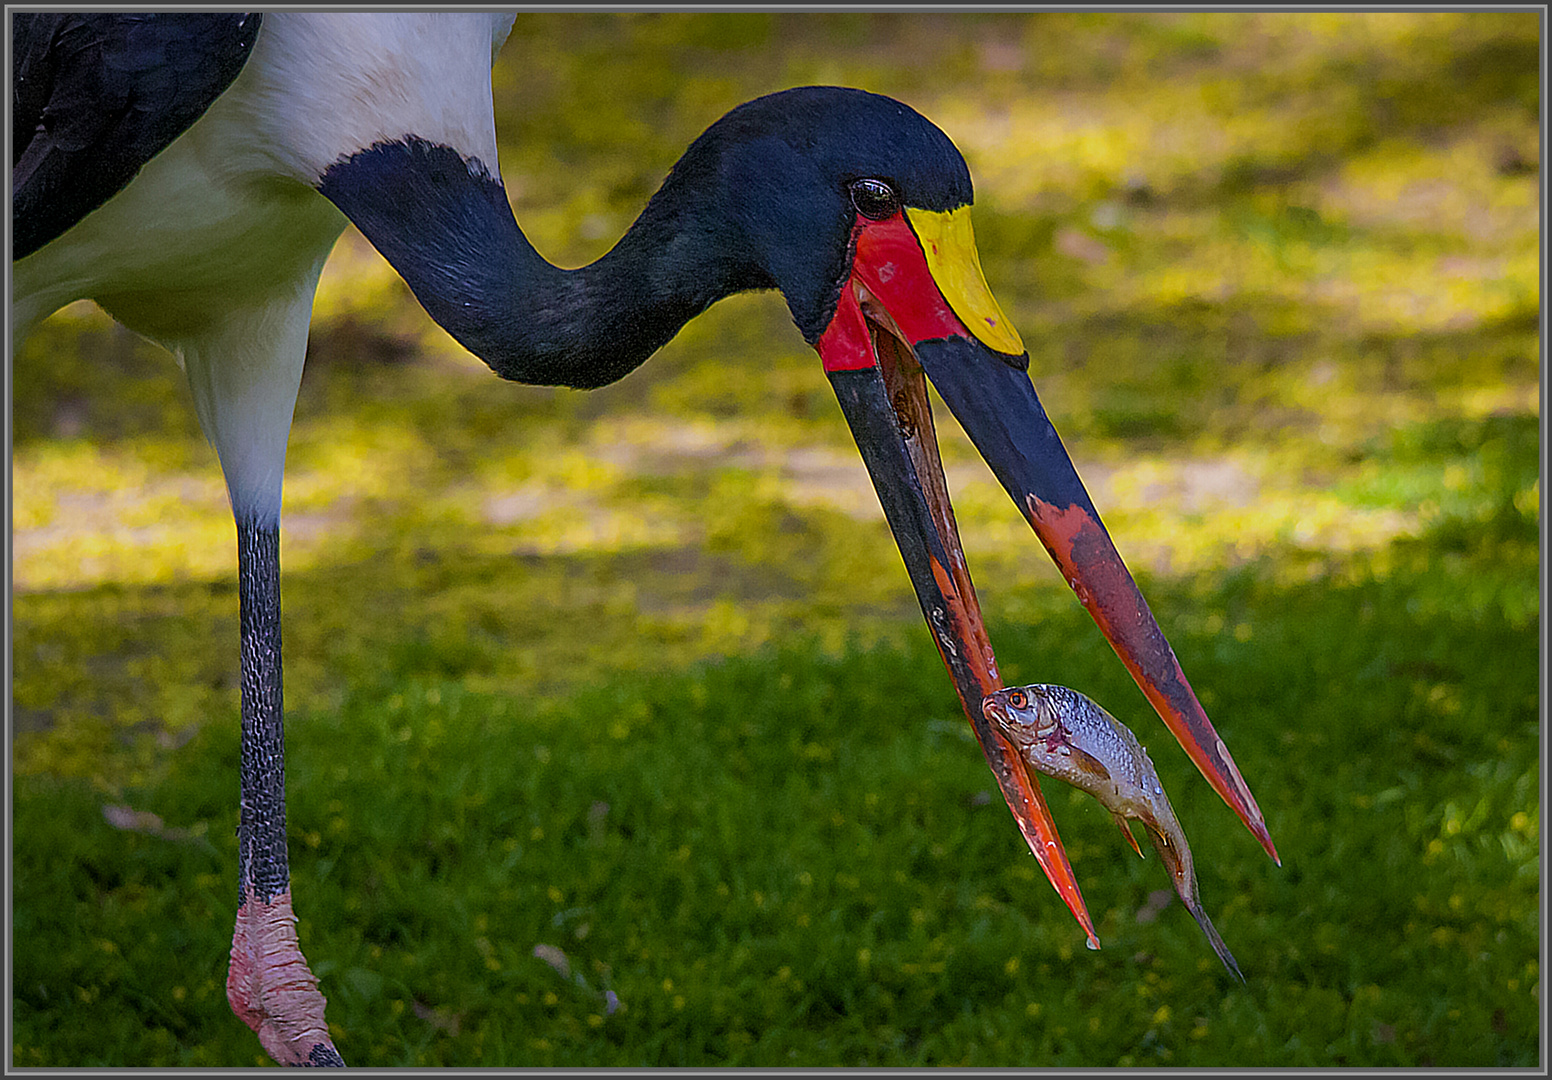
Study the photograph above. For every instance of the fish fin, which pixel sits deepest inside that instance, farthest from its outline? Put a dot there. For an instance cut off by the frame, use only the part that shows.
(1214, 940)
(1174, 861)
(1088, 763)
(1126, 831)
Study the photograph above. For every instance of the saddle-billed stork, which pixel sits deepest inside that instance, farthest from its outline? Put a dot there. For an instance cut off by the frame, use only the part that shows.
(190, 173)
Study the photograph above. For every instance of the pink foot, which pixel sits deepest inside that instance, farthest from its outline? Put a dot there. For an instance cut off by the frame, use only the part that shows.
(271, 987)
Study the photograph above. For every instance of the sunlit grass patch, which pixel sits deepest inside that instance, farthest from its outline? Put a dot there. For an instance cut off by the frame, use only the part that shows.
(85, 514)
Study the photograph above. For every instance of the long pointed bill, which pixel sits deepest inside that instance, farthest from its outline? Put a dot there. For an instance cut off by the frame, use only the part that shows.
(917, 302)
(999, 410)
(884, 396)
(886, 406)
(893, 424)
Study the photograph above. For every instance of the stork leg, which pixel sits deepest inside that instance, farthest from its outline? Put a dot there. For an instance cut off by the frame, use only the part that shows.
(268, 983)
(244, 374)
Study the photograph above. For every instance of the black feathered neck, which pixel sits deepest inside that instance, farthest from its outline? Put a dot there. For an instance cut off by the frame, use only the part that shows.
(758, 201)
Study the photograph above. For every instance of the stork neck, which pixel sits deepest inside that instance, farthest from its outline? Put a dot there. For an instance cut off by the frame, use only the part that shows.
(444, 224)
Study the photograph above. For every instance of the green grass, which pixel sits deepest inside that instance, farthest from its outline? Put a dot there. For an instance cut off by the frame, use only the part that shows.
(793, 857)
(637, 675)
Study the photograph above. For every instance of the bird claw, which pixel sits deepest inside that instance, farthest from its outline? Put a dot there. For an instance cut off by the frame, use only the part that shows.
(271, 988)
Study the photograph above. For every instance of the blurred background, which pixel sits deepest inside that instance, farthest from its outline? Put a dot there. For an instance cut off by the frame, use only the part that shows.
(626, 692)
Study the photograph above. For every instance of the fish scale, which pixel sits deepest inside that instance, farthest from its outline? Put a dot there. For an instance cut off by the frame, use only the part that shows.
(1065, 734)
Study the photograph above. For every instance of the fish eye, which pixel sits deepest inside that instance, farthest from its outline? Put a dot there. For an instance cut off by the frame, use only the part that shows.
(1018, 699)
(874, 199)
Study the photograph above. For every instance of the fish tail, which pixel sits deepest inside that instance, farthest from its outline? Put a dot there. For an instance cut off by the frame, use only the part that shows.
(1214, 940)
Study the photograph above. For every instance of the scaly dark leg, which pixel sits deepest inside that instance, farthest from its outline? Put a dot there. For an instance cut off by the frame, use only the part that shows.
(268, 983)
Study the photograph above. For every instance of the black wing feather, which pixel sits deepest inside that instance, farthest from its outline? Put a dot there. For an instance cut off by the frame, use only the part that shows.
(96, 96)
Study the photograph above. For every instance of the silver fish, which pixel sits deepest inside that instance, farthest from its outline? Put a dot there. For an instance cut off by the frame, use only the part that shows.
(1064, 734)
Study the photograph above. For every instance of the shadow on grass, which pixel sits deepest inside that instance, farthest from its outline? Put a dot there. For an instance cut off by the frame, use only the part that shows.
(794, 857)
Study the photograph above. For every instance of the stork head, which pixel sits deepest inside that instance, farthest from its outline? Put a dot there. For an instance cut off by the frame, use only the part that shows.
(858, 209)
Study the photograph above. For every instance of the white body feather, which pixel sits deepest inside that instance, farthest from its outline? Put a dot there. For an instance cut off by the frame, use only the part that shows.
(214, 250)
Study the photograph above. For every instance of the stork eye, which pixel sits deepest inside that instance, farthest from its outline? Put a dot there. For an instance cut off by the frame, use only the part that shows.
(874, 199)
(1018, 699)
